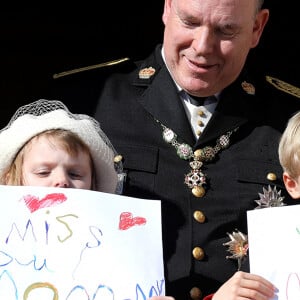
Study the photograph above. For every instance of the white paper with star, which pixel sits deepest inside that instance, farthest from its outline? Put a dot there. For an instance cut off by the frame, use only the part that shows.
(78, 244)
(274, 248)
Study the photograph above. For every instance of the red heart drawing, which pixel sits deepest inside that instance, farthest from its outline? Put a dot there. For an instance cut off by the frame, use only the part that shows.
(127, 220)
(34, 203)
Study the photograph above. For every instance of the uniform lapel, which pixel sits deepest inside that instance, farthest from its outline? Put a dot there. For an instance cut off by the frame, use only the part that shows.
(162, 101)
(160, 98)
(235, 108)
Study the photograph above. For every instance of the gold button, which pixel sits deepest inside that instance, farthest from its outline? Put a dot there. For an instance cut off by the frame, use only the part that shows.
(198, 191)
(200, 123)
(198, 132)
(195, 293)
(199, 216)
(271, 176)
(198, 153)
(118, 158)
(198, 253)
(201, 113)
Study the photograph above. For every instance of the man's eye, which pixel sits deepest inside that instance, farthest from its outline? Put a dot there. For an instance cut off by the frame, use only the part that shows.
(227, 31)
(190, 22)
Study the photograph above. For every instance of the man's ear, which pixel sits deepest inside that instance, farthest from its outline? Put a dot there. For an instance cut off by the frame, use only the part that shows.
(291, 185)
(261, 20)
(166, 12)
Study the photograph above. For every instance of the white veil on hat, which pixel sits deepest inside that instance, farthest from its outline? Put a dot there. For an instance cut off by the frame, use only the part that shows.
(41, 115)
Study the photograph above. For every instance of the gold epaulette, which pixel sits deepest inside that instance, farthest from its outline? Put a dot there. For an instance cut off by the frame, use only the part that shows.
(78, 70)
(284, 86)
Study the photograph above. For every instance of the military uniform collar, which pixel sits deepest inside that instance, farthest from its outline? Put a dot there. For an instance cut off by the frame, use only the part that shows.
(237, 105)
(159, 96)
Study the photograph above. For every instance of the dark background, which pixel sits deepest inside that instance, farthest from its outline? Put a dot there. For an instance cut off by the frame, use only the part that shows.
(37, 42)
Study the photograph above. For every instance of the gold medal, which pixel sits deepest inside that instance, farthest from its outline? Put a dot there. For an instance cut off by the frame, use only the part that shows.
(237, 246)
(270, 198)
(195, 179)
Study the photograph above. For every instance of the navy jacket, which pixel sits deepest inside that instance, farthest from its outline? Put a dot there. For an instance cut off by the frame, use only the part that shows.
(128, 106)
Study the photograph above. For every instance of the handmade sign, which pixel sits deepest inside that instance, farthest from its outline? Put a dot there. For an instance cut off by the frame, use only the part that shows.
(274, 247)
(72, 244)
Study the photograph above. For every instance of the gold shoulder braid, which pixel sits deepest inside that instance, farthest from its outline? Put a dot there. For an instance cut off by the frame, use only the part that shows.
(195, 179)
(97, 66)
(284, 86)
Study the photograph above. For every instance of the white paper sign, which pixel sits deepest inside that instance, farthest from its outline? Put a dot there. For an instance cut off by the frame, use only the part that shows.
(70, 244)
(274, 248)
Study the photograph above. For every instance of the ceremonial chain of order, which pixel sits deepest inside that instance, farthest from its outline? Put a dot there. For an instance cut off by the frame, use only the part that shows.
(195, 179)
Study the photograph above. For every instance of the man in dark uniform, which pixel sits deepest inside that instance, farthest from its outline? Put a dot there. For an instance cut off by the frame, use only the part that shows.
(197, 132)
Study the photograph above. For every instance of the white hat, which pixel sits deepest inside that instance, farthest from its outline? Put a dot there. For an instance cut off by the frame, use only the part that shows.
(41, 115)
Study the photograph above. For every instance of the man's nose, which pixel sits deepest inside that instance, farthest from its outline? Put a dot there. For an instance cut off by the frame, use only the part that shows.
(204, 40)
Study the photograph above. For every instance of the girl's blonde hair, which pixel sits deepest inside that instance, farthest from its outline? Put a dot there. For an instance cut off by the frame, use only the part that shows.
(68, 140)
